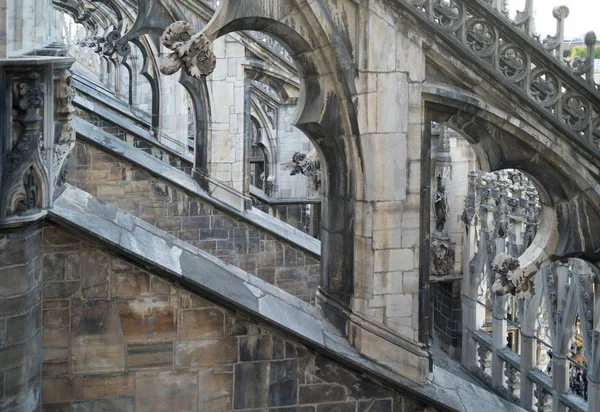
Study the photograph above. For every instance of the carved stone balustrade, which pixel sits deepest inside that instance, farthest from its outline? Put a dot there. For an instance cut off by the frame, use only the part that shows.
(485, 359)
(513, 379)
(544, 399)
(533, 69)
(37, 135)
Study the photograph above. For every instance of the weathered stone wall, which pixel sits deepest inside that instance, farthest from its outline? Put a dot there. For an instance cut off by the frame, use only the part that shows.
(390, 117)
(226, 87)
(447, 316)
(121, 339)
(194, 221)
(20, 318)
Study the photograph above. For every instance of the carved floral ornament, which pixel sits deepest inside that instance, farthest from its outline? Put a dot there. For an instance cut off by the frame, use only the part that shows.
(190, 51)
(512, 278)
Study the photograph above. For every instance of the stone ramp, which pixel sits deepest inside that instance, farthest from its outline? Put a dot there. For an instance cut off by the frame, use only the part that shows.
(204, 274)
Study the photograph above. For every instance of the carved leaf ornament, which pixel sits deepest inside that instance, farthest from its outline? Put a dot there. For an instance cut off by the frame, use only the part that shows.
(190, 51)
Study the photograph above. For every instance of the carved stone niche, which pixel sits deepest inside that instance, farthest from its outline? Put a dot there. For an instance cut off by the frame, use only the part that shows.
(36, 133)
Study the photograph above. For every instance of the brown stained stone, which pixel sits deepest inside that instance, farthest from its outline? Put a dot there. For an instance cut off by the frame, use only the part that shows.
(165, 391)
(55, 354)
(55, 368)
(160, 287)
(94, 280)
(56, 337)
(234, 326)
(193, 354)
(121, 265)
(201, 323)
(55, 317)
(57, 407)
(105, 405)
(169, 223)
(96, 342)
(56, 239)
(152, 319)
(215, 389)
(129, 284)
(105, 386)
(61, 389)
(198, 302)
(266, 274)
(150, 355)
(56, 304)
(260, 347)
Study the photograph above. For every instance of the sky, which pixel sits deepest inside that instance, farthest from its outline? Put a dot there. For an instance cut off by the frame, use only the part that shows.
(584, 16)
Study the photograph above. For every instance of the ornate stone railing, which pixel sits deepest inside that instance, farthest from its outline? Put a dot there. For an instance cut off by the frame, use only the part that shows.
(561, 303)
(533, 68)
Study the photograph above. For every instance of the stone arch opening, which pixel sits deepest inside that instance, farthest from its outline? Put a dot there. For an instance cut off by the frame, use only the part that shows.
(564, 183)
(326, 115)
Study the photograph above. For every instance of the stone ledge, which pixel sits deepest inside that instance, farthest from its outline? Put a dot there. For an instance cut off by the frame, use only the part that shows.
(207, 275)
(106, 142)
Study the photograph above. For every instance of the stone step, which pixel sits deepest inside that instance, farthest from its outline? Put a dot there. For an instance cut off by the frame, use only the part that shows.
(172, 259)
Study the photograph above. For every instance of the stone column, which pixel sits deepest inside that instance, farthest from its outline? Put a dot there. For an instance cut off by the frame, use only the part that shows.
(593, 394)
(560, 381)
(471, 279)
(499, 330)
(37, 136)
(528, 362)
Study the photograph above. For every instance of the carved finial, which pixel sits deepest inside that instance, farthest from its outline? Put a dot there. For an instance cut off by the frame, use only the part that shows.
(590, 38)
(189, 51)
(560, 12)
(555, 43)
